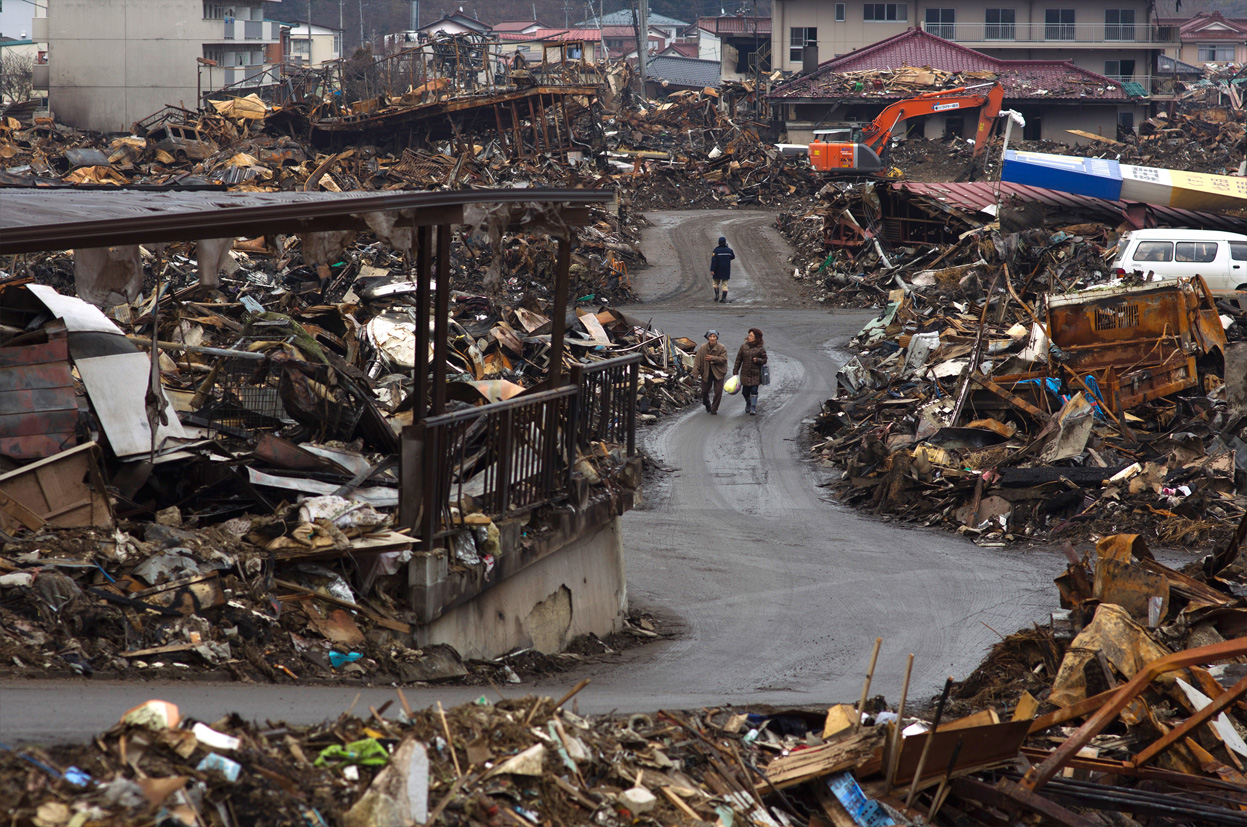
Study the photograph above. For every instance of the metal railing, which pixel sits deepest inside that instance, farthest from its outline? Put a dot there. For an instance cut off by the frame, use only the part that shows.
(512, 456)
(1041, 32)
(606, 401)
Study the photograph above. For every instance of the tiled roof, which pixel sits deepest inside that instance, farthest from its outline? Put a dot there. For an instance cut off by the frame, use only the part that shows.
(1206, 26)
(1021, 79)
(623, 17)
(683, 49)
(1166, 65)
(735, 25)
(684, 71)
(551, 35)
(516, 25)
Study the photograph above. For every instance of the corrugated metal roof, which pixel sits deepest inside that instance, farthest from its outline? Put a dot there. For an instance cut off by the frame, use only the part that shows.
(57, 219)
(976, 195)
(684, 71)
(1021, 79)
(1167, 65)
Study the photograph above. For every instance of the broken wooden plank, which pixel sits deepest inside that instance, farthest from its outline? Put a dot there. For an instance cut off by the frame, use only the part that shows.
(846, 752)
(1013, 399)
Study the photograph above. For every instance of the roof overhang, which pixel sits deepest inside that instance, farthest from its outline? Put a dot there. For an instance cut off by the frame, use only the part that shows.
(34, 221)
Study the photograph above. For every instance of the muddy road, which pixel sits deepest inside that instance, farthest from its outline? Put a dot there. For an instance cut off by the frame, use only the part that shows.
(776, 594)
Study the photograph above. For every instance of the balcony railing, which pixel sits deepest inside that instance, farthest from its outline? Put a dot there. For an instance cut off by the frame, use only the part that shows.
(512, 456)
(1040, 32)
(234, 29)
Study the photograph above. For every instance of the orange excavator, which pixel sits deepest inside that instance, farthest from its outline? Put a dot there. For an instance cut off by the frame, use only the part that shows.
(864, 153)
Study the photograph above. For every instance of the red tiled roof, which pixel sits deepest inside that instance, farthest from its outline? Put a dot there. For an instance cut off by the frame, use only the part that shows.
(735, 25)
(1021, 79)
(685, 49)
(549, 35)
(1206, 26)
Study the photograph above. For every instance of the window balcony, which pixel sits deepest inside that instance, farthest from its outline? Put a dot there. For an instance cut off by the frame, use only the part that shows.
(1041, 34)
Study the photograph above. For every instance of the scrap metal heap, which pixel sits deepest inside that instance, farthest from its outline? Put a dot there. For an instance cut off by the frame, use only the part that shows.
(1127, 712)
(1003, 392)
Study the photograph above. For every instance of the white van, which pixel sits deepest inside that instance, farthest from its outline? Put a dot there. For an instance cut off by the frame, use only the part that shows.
(1221, 258)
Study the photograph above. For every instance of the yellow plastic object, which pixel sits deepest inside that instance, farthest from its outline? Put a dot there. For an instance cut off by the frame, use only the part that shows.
(732, 385)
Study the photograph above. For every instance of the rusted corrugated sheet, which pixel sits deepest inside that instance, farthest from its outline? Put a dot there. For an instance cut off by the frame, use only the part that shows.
(976, 195)
(38, 407)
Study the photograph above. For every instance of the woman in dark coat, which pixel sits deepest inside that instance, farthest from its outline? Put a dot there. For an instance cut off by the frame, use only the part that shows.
(749, 361)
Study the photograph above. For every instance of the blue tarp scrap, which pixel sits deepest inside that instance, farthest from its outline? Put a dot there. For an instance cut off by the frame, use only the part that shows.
(1053, 386)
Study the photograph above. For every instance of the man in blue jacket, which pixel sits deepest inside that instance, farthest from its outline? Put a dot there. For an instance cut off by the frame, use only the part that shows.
(721, 269)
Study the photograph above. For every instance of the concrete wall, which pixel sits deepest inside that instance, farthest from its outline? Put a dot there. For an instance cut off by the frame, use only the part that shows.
(578, 590)
(113, 62)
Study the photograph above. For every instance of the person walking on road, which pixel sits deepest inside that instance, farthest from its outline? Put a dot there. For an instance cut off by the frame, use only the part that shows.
(721, 269)
(710, 365)
(750, 360)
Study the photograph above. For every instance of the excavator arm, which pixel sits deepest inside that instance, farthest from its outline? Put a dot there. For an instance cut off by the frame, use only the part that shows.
(879, 131)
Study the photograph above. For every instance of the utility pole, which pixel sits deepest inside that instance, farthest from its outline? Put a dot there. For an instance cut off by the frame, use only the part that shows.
(309, 34)
(640, 27)
(341, 31)
(361, 23)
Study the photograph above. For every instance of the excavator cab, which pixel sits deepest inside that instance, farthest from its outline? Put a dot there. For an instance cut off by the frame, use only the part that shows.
(848, 152)
(841, 150)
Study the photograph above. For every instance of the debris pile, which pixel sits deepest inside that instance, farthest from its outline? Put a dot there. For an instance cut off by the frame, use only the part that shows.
(998, 392)
(1128, 704)
(240, 516)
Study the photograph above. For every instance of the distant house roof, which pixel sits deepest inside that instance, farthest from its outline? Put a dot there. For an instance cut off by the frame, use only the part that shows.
(1021, 79)
(1166, 65)
(1207, 26)
(680, 50)
(517, 25)
(683, 71)
(459, 19)
(623, 17)
(735, 25)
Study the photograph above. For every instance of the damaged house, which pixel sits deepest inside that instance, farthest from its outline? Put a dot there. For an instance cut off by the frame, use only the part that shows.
(1052, 95)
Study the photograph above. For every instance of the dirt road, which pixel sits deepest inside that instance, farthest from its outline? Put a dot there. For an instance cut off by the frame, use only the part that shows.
(777, 594)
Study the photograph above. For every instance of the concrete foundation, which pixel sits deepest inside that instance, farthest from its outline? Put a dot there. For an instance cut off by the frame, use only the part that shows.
(576, 589)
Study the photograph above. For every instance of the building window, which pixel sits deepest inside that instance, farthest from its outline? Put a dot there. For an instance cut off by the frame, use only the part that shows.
(1119, 70)
(885, 12)
(1216, 52)
(337, 43)
(214, 11)
(840, 12)
(798, 38)
(1000, 24)
(940, 22)
(1058, 24)
(1119, 24)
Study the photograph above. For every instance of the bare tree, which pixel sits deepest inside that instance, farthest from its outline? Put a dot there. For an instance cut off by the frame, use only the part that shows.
(17, 75)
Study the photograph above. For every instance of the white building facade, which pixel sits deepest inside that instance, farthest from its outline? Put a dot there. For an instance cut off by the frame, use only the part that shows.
(114, 62)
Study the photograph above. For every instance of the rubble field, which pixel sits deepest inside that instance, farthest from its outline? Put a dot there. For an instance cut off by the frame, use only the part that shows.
(1125, 710)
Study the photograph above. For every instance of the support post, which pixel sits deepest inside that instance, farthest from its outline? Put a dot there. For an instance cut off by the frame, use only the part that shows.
(441, 319)
(424, 278)
(559, 316)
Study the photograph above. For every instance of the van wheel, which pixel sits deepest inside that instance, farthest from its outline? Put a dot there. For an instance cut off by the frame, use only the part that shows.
(1241, 287)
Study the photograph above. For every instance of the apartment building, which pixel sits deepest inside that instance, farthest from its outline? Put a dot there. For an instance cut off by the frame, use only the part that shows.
(114, 62)
(1115, 38)
(312, 45)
